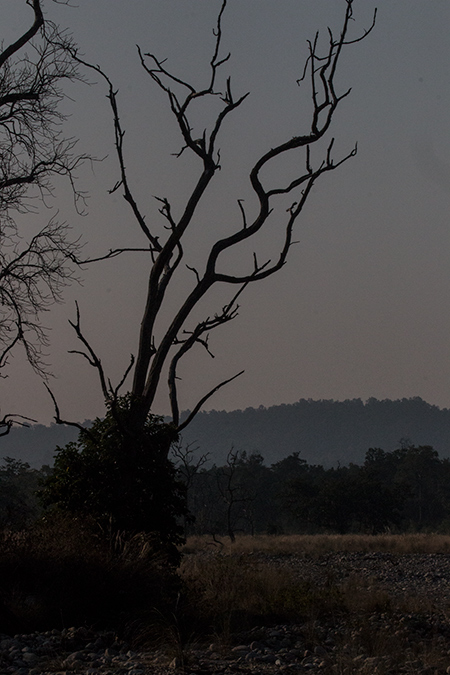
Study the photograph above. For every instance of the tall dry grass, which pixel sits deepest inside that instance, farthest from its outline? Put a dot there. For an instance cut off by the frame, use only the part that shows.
(227, 592)
(321, 544)
(59, 574)
(229, 589)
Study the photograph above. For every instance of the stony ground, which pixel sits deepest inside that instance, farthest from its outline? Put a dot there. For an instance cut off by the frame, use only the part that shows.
(411, 636)
(425, 576)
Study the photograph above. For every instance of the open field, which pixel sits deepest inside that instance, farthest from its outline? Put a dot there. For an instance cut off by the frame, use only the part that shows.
(340, 604)
(320, 544)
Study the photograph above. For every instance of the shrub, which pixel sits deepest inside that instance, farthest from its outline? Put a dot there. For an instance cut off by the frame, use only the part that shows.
(123, 481)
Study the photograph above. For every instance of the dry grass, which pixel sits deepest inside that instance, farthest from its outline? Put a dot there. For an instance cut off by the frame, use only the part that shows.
(234, 586)
(61, 574)
(233, 593)
(320, 544)
(225, 594)
(228, 591)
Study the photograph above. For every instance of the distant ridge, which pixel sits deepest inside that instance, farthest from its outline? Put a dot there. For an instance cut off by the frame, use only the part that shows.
(324, 432)
(36, 444)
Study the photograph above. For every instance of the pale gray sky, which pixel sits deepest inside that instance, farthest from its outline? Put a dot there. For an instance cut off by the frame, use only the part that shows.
(363, 307)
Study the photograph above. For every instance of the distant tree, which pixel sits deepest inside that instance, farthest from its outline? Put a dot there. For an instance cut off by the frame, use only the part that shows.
(420, 468)
(18, 485)
(35, 268)
(342, 499)
(257, 480)
(187, 467)
(237, 495)
(297, 485)
(421, 476)
(205, 504)
(352, 500)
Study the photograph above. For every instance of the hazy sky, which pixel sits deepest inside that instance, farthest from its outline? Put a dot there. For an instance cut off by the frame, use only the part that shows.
(363, 306)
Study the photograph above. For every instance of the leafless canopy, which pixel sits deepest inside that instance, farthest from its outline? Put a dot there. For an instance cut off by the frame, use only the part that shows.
(33, 270)
(156, 356)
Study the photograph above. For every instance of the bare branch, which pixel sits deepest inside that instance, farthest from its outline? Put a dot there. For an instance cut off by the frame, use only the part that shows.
(34, 273)
(122, 381)
(11, 419)
(27, 36)
(59, 420)
(119, 136)
(90, 356)
(244, 217)
(32, 278)
(185, 460)
(112, 253)
(204, 399)
(228, 313)
(162, 346)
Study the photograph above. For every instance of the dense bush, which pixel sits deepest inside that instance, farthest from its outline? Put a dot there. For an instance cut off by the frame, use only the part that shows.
(124, 482)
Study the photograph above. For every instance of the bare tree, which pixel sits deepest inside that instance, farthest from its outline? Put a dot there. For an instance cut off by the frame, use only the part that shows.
(33, 269)
(188, 464)
(237, 497)
(159, 355)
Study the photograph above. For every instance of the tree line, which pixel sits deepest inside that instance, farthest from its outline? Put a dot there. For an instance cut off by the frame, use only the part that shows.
(324, 431)
(407, 489)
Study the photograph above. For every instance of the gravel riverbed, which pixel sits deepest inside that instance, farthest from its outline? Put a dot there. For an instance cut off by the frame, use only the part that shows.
(425, 576)
(413, 639)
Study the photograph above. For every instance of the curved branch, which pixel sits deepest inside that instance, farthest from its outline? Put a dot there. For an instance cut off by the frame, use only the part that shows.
(8, 421)
(203, 400)
(59, 420)
(27, 36)
(91, 356)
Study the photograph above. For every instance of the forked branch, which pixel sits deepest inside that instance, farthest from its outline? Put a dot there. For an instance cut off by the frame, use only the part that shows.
(163, 348)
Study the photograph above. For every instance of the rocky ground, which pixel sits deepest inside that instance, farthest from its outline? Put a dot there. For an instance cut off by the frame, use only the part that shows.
(425, 576)
(410, 635)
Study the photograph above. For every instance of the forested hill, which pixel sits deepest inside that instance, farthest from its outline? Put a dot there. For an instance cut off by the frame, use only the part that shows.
(323, 432)
(36, 444)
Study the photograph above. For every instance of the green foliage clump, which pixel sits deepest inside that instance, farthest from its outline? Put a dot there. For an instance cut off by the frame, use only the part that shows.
(122, 480)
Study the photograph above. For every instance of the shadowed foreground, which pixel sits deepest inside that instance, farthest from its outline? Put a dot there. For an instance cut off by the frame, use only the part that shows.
(324, 604)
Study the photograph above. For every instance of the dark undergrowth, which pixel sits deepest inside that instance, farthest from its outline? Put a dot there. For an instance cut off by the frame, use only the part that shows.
(62, 573)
